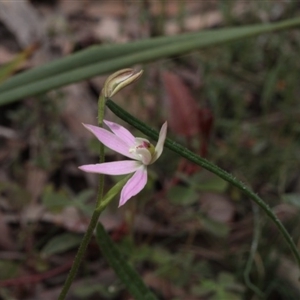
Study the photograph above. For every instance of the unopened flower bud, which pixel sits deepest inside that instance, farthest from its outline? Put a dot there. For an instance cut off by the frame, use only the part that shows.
(119, 80)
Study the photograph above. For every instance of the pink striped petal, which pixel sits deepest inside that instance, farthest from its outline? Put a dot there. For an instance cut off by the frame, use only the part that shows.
(121, 132)
(134, 185)
(109, 140)
(113, 168)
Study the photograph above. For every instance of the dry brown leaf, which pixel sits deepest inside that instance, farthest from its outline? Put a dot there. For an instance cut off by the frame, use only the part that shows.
(285, 211)
(6, 240)
(289, 272)
(143, 224)
(69, 218)
(79, 108)
(199, 19)
(182, 108)
(71, 7)
(8, 133)
(217, 207)
(5, 55)
(108, 29)
(35, 181)
(21, 18)
(98, 9)
(166, 287)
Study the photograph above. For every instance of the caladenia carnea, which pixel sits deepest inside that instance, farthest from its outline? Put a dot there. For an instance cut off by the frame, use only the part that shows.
(140, 150)
(112, 85)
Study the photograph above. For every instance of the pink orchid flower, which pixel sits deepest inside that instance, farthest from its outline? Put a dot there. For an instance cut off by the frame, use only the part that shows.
(139, 149)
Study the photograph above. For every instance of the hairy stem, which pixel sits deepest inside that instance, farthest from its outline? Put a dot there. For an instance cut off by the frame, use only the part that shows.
(184, 152)
(80, 253)
(96, 214)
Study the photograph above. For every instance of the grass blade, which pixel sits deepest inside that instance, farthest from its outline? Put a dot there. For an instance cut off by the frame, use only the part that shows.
(89, 56)
(212, 38)
(125, 272)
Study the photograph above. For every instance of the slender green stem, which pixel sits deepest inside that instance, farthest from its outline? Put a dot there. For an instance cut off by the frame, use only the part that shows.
(80, 253)
(89, 233)
(253, 249)
(184, 152)
(100, 205)
(101, 110)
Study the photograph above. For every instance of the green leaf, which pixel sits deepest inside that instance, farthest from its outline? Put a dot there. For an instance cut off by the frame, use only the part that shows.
(11, 269)
(88, 57)
(7, 69)
(116, 57)
(54, 200)
(215, 184)
(81, 199)
(181, 195)
(220, 288)
(216, 228)
(125, 272)
(61, 243)
(184, 152)
(292, 198)
(205, 181)
(270, 82)
(87, 289)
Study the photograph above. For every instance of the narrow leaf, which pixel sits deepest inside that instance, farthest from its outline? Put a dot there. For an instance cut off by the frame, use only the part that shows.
(61, 243)
(125, 272)
(89, 56)
(9, 68)
(214, 37)
(184, 152)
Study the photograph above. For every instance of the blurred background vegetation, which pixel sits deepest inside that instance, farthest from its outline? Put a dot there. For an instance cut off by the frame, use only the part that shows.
(188, 233)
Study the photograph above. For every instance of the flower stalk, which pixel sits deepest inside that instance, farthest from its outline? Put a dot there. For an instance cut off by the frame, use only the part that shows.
(89, 233)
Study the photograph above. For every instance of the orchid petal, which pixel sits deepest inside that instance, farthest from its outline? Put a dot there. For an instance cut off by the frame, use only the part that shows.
(121, 132)
(160, 144)
(109, 140)
(113, 168)
(134, 185)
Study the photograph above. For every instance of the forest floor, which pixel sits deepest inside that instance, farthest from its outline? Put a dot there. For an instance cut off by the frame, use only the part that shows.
(188, 233)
